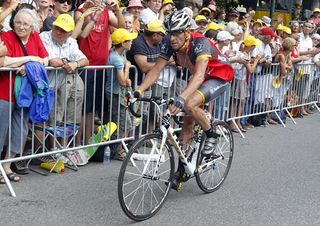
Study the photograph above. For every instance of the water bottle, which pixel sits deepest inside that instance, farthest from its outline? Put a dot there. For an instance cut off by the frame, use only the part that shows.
(106, 155)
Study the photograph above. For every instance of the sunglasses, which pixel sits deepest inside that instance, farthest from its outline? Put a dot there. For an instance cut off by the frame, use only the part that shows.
(69, 2)
(175, 33)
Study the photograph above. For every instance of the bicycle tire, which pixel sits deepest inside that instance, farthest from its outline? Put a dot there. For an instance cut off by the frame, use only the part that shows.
(147, 194)
(211, 179)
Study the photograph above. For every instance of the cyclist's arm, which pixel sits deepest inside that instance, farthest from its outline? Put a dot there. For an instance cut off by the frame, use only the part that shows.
(197, 78)
(152, 76)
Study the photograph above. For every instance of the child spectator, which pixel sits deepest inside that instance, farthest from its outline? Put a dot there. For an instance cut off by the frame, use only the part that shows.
(117, 82)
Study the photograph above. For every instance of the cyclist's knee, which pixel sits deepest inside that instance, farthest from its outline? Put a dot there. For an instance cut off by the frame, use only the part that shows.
(192, 104)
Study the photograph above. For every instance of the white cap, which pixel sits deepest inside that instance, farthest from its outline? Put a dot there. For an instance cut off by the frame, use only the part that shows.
(224, 35)
(316, 36)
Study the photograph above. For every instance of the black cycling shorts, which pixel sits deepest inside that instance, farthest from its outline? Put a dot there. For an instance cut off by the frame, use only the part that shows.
(211, 89)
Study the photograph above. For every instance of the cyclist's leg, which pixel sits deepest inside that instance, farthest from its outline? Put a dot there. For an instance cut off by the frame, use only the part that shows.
(208, 91)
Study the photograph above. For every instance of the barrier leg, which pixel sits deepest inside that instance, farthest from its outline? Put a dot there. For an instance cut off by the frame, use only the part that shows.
(290, 116)
(316, 106)
(8, 183)
(127, 150)
(234, 123)
(279, 119)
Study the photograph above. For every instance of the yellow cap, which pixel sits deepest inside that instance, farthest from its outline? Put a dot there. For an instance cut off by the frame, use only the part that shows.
(251, 41)
(284, 28)
(65, 22)
(155, 26)
(205, 9)
(214, 26)
(200, 18)
(121, 35)
(316, 10)
(165, 2)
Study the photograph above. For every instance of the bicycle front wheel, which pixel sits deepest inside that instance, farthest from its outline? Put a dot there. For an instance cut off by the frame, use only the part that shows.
(212, 171)
(145, 177)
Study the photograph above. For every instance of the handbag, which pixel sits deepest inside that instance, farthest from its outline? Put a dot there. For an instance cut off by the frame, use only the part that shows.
(19, 78)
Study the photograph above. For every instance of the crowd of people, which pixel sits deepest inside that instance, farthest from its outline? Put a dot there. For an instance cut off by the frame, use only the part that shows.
(70, 35)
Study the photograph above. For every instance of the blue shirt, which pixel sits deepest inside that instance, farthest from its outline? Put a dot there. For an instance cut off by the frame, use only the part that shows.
(112, 83)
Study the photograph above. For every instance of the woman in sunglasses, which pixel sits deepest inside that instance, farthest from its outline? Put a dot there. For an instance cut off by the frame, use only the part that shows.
(59, 7)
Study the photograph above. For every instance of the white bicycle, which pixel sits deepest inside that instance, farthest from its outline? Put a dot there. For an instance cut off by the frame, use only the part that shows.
(146, 174)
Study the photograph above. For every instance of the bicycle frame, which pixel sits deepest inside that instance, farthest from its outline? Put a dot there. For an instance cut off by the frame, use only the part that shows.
(168, 133)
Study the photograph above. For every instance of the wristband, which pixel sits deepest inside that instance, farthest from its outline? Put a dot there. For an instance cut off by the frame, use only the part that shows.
(137, 93)
(81, 17)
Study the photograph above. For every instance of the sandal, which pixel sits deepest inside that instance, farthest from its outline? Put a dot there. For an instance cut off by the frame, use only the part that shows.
(20, 167)
(2, 181)
(121, 155)
(13, 177)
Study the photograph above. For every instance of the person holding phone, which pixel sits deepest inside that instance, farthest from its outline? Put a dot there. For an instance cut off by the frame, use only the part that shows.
(94, 42)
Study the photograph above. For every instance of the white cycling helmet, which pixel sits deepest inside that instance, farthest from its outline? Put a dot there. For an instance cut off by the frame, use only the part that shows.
(178, 20)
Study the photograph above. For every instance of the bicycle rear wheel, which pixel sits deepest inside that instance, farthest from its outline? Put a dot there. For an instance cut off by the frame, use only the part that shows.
(143, 185)
(212, 171)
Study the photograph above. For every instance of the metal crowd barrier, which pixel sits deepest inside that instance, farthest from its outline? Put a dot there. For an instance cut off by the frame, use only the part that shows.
(266, 92)
(261, 93)
(73, 105)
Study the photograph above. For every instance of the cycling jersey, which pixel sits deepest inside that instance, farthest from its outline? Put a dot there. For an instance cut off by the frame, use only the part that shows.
(200, 47)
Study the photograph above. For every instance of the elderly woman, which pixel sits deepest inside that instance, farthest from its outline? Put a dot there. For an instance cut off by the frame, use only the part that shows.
(24, 24)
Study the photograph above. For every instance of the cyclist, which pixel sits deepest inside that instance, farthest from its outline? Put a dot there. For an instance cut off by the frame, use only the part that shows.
(210, 71)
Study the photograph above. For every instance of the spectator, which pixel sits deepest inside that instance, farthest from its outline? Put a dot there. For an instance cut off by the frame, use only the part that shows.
(59, 7)
(25, 22)
(265, 21)
(135, 7)
(205, 11)
(146, 48)
(263, 88)
(152, 11)
(221, 16)
(283, 31)
(44, 10)
(68, 86)
(286, 68)
(295, 27)
(242, 68)
(94, 43)
(306, 48)
(167, 7)
(233, 15)
(6, 10)
(255, 29)
(223, 40)
(128, 21)
(117, 83)
(143, 54)
(212, 30)
(201, 22)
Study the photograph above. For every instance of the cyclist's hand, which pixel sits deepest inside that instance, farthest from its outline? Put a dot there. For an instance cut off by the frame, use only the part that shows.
(130, 95)
(137, 94)
(177, 105)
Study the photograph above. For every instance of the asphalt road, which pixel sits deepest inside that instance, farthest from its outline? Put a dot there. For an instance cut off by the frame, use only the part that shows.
(274, 180)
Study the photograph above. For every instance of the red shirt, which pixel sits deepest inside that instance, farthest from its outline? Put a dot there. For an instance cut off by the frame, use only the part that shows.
(96, 45)
(34, 47)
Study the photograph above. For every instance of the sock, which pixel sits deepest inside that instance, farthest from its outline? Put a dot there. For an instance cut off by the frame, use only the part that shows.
(210, 133)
